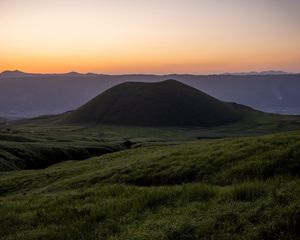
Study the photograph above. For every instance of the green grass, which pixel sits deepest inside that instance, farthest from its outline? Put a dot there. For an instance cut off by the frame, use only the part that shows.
(172, 212)
(39, 147)
(166, 103)
(38, 143)
(235, 188)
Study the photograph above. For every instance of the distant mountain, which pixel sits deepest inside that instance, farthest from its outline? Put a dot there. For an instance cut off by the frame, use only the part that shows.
(166, 103)
(12, 74)
(270, 72)
(36, 94)
(19, 74)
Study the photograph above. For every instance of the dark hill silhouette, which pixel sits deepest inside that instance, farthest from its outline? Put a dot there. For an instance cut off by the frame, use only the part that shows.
(166, 103)
(30, 94)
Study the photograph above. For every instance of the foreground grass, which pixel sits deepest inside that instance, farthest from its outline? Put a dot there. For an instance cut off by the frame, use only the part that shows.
(246, 188)
(252, 210)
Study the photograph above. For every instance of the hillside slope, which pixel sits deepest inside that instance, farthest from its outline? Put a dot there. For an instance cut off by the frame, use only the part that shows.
(167, 103)
(245, 188)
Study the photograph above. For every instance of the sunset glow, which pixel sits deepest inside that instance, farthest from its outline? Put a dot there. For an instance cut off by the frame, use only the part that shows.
(157, 36)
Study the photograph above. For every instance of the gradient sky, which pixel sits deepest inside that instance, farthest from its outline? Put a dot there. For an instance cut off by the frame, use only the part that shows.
(150, 36)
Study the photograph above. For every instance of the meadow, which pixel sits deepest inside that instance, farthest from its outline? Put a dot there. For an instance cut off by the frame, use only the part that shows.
(231, 188)
(44, 141)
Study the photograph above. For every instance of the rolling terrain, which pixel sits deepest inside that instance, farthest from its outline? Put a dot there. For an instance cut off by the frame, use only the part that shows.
(119, 167)
(131, 115)
(237, 188)
(34, 144)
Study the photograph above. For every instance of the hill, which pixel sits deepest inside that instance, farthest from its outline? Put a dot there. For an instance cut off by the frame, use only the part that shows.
(167, 103)
(28, 95)
(245, 188)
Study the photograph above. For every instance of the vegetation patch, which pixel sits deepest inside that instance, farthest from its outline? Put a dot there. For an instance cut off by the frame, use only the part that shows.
(196, 190)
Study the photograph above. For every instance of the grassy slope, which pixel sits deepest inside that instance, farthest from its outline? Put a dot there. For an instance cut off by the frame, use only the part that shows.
(242, 188)
(39, 143)
(166, 103)
(39, 147)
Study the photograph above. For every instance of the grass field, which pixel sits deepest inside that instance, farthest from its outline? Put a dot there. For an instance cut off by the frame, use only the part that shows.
(38, 143)
(232, 188)
(39, 147)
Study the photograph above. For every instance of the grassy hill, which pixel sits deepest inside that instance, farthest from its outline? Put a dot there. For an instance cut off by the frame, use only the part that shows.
(167, 103)
(234, 188)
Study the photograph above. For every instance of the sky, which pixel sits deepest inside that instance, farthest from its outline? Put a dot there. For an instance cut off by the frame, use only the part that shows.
(149, 36)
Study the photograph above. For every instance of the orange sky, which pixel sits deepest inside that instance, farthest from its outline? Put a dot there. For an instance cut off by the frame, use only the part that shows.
(157, 36)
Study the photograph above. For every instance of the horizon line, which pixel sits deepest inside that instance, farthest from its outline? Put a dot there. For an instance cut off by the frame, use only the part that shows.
(161, 74)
